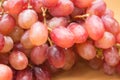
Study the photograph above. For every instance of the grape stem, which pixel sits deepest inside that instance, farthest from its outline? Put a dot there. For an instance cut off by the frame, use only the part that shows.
(82, 16)
(50, 42)
(44, 10)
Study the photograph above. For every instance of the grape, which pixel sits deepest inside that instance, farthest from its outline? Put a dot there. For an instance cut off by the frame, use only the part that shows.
(41, 74)
(109, 12)
(4, 58)
(62, 37)
(6, 72)
(110, 24)
(95, 63)
(63, 8)
(69, 59)
(7, 24)
(50, 3)
(107, 41)
(27, 18)
(18, 60)
(83, 3)
(25, 74)
(97, 7)
(25, 41)
(2, 42)
(38, 54)
(79, 32)
(94, 27)
(57, 21)
(16, 34)
(86, 50)
(36, 4)
(16, 6)
(8, 44)
(108, 69)
(56, 56)
(38, 34)
(111, 56)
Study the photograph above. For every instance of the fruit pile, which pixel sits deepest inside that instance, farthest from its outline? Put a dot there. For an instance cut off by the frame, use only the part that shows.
(41, 37)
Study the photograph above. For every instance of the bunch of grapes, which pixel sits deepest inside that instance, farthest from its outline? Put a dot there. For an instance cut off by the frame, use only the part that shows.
(41, 37)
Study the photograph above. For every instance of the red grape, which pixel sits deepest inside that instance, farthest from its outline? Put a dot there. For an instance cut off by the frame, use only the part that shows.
(50, 3)
(27, 18)
(38, 54)
(62, 37)
(83, 3)
(107, 41)
(38, 34)
(25, 74)
(18, 60)
(6, 72)
(111, 56)
(94, 27)
(63, 8)
(79, 32)
(7, 24)
(56, 56)
(86, 50)
(2, 42)
(98, 7)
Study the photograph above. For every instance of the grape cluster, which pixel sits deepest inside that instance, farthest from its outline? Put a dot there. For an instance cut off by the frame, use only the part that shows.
(41, 37)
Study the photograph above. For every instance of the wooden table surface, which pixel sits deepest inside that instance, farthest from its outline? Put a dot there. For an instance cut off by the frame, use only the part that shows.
(82, 71)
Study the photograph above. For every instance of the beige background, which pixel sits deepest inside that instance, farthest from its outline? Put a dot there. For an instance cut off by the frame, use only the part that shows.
(81, 71)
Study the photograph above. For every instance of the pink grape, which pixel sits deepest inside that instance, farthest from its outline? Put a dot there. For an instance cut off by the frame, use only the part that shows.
(62, 37)
(38, 54)
(49, 3)
(6, 72)
(107, 41)
(111, 56)
(97, 7)
(63, 8)
(86, 50)
(27, 18)
(38, 34)
(18, 60)
(79, 32)
(56, 56)
(94, 27)
(7, 24)
(109, 12)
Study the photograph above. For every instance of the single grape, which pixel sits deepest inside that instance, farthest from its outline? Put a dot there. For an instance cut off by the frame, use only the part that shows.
(94, 27)
(110, 24)
(82, 3)
(62, 37)
(18, 60)
(50, 3)
(86, 50)
(27, 18)
(97, 7)
(63, 8)
(16, 6)
(41, 74)
(6, 72)
(108, 69)
(8, 44)
(70, 59)
(38, 54)
(79, 32)
(25, 74)
(7, 24)
(16, 34)
(57, 21)
(56, 56)
(107, 41)
(25, 41)
(38, 34)
(2, 42)
(111, 56)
